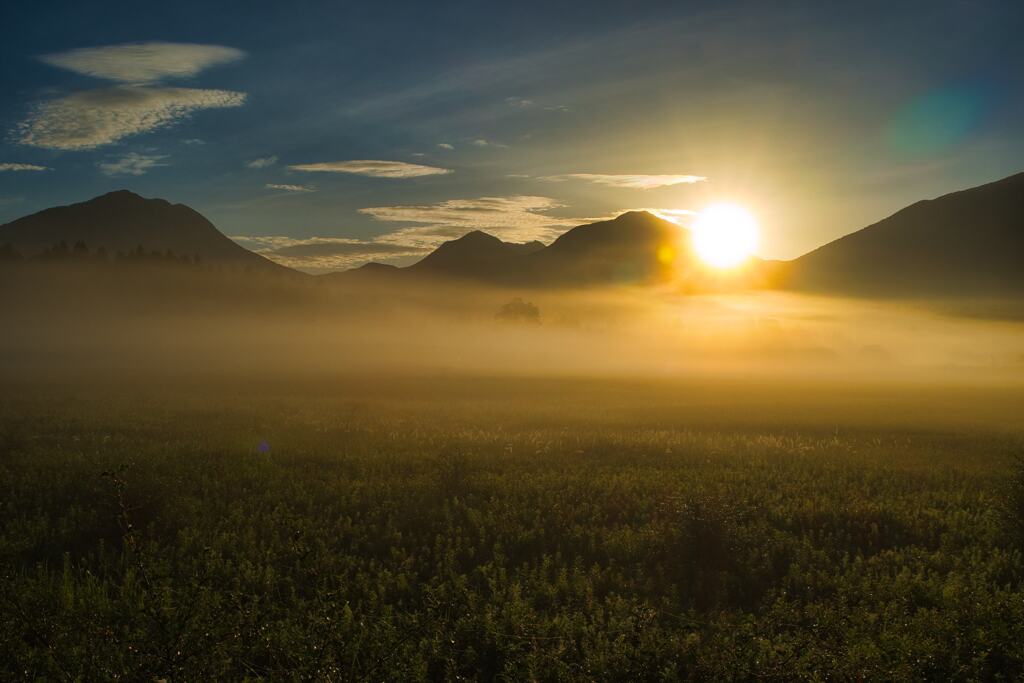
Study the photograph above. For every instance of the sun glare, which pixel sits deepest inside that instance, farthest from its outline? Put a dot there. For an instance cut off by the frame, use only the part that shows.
(724, 235)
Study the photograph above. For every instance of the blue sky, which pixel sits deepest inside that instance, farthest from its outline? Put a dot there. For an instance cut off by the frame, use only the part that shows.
(328, 134)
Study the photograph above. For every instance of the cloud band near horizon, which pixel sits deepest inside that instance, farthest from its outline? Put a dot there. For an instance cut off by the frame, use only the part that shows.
(372, 168)
(632, 181)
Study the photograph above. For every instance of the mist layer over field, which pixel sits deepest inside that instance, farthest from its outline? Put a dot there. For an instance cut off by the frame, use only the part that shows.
(125, 325)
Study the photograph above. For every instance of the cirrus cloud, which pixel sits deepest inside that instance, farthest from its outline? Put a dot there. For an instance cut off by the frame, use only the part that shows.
(264, 162)
(633, 181)
(132, 164)
(139, 63)
(136, 104)
(283, 187)
(89, 119)
(519, 102)
(372, 168)
(24, 167)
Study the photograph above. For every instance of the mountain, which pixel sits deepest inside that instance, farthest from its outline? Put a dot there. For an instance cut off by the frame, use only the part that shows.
(968, 243)
(965, 244)
(474, 255)
(123, 221)
(636, 247)
(368, 273)
(622, 250)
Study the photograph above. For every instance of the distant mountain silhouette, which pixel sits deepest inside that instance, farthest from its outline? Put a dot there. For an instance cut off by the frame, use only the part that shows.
(476, 254)
(367, 273)
(968, 243)
(122, 221)
(374, 267)
(637, 247)
(622, 250)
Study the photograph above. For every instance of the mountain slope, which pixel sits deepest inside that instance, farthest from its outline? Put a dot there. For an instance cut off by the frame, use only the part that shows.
(474, 255)
(968, 243)
(123, 221)
(622, 250)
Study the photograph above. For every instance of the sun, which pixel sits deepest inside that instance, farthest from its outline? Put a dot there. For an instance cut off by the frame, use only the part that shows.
(725, 235)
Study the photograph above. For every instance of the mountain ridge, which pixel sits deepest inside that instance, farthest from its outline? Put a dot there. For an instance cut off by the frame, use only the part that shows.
(964, 243)
(967, 242)
(472, 255)
(123, 221)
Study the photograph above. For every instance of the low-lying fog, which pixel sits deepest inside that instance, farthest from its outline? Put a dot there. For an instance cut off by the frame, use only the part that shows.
(66, 324)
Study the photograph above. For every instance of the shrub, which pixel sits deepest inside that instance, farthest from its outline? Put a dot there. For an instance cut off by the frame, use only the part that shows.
(519, 311)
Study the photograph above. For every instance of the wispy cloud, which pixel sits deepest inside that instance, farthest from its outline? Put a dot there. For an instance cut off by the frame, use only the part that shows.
(372, 168)
(325, 254)
(290, 188)
(518, 218)
(263, 162)
(141, 63)
(524, 103)
(23, 167)
(634, 181)
(193, 142)
(445, 145)
(132, 164)
(482, 142)
(92, 118)
(519, 102)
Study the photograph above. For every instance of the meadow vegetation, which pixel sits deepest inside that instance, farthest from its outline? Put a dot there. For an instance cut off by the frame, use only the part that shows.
(443, 528)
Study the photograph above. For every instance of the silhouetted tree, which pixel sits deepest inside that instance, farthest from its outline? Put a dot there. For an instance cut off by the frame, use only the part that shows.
(57, 251)
(518, 310)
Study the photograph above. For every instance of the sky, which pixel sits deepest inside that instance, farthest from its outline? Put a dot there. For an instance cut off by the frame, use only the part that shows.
(328, 134)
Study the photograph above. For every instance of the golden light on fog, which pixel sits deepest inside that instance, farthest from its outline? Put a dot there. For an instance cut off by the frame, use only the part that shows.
(725, 235)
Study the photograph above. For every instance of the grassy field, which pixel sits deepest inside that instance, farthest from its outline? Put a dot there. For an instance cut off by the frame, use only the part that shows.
(509, 529)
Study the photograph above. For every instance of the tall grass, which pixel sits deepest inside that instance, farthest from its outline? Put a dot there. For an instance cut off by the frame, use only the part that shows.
(485, 537)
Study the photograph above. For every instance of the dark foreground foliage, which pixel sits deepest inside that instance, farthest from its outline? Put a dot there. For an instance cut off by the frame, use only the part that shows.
(301, 539)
